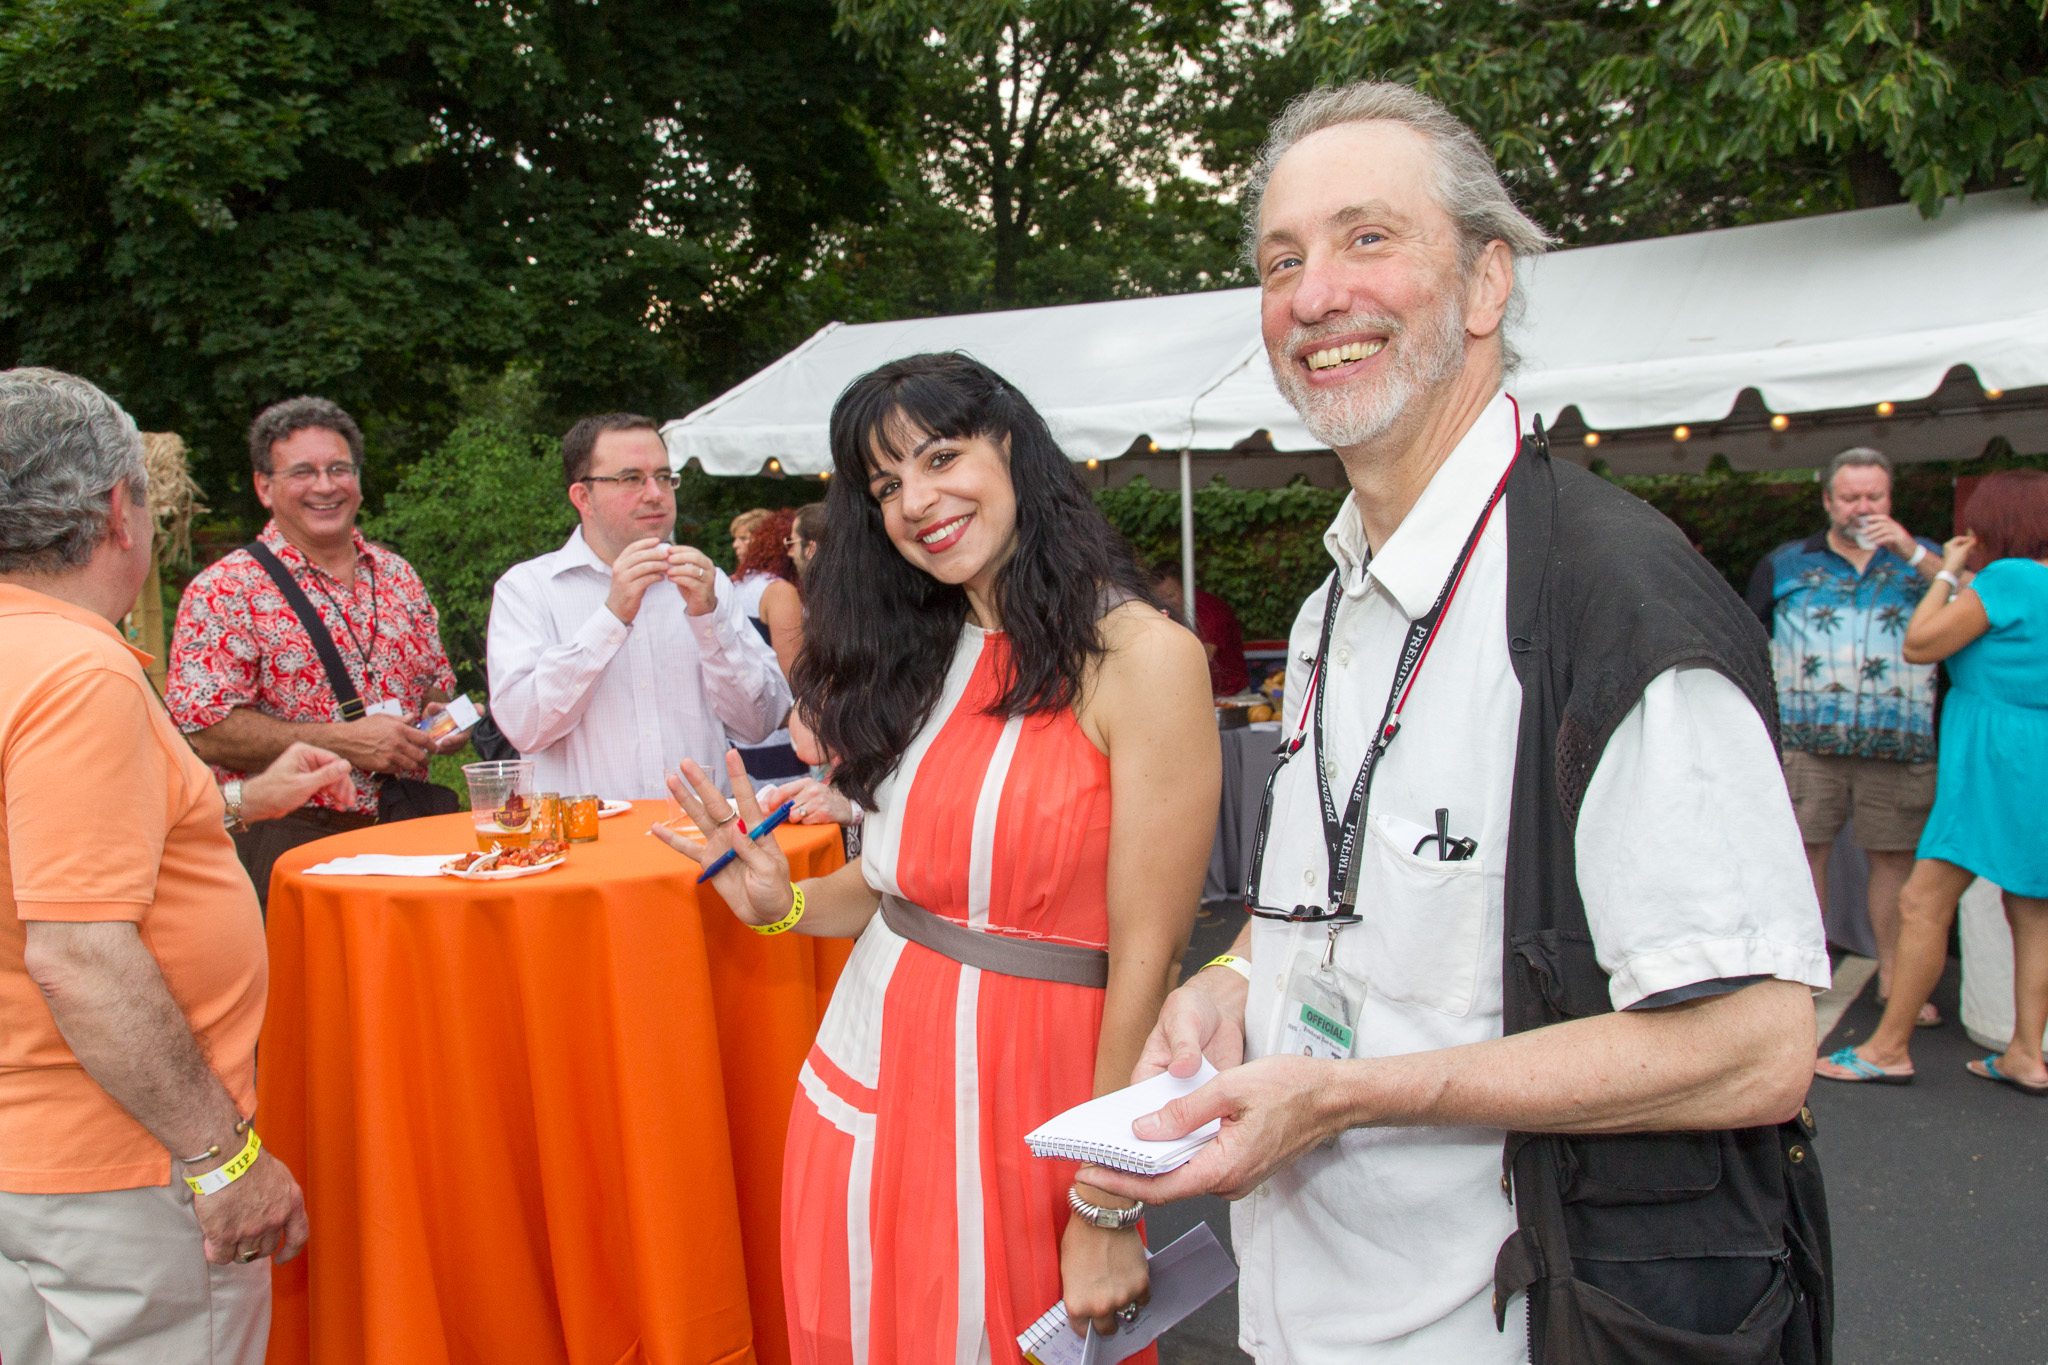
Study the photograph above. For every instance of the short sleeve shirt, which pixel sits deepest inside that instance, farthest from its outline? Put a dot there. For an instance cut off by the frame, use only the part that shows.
(1690, 866)
(239, 643)
(1838, 641)
(106, 814)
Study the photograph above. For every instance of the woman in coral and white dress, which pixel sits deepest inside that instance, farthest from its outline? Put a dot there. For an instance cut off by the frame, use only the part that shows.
(1036, 745)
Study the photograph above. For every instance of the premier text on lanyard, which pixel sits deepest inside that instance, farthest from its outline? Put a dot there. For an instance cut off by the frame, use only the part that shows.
(1342, 833)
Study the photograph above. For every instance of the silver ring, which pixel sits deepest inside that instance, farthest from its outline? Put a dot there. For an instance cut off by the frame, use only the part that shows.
(1127, 1314)
(726, 821)
(244, 1257)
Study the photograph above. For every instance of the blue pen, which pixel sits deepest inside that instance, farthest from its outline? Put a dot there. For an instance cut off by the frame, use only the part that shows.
(775, 817)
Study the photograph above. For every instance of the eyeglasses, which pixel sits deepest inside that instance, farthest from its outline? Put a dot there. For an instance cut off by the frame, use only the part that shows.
(793, 543)
(301, 475)
(633, 478)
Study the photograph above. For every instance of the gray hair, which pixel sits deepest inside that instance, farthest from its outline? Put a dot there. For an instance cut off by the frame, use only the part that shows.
(280, 421)
(1869, 457)
(1468, 184)
(64, 446)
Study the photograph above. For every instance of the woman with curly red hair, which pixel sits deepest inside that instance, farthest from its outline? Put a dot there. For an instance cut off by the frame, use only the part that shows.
(764, 581)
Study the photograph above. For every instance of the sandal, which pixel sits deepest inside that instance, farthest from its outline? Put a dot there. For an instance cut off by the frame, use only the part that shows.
(1850, 1067)
(1929, 1017)
(1988, 1069)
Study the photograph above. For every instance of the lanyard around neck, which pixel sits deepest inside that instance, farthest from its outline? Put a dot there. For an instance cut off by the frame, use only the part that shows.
(1342, 832)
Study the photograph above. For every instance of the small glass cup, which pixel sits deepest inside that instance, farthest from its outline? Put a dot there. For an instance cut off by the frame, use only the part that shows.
(501, 802)
(582, 820)
(549, 816)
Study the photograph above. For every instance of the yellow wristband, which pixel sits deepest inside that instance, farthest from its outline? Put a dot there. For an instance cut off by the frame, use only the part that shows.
(213, 1182)
(1236, 964)
(788, 921)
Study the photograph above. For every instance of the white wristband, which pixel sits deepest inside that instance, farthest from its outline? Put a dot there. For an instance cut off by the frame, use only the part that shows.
(1919, 553)
(1231, 963)
(1955, 585)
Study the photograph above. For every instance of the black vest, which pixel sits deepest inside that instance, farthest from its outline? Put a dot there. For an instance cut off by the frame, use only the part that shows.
(1664, 1247)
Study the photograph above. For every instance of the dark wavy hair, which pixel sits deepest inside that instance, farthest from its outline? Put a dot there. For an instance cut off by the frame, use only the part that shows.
(879, 634)
(766, 552)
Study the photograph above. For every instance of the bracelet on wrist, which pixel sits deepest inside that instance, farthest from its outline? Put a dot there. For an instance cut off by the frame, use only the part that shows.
(1233, 962)
(1109, 1220)
(1955, 584)
(213, 1182)
(1919, 553)
(231, 797)
(788, 921)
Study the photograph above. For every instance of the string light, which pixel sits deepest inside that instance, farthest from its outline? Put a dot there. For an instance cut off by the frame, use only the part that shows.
(1592, 438)
(1994, 394)
(1779, 421)
(1885, 409)
(1681, 433)
(1094, 463)
(775, 466)
(824, 474)
(1152, 446)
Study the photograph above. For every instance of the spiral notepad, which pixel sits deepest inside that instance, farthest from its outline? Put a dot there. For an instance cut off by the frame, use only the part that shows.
(1100, 1130)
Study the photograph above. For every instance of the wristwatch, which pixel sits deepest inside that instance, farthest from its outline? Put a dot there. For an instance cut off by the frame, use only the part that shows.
(1110, 1220)
(231, 792)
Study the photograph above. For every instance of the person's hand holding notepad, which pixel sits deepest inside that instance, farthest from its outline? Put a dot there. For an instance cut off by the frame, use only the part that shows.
(1100, 1130)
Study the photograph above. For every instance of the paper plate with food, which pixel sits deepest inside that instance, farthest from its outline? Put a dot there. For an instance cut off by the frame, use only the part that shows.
(506, 863)
(607, 809)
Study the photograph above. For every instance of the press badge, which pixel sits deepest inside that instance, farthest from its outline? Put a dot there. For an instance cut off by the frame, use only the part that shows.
(1322, 1006)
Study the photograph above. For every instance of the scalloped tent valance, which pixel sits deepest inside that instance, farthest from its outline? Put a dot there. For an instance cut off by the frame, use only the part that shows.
(1818, 318)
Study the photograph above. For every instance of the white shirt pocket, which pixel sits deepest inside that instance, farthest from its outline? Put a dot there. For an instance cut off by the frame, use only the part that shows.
(1429, 927)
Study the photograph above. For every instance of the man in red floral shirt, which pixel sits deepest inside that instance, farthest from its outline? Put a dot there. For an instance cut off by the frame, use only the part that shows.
(245, 679)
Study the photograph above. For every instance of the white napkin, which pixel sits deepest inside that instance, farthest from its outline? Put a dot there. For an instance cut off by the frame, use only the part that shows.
(381, 865)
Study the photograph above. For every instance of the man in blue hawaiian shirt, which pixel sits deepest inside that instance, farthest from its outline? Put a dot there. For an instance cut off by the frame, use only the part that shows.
(1857, 720)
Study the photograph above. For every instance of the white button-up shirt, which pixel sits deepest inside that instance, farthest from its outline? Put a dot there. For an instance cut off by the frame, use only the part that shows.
(1380, 1246)
(609, 708)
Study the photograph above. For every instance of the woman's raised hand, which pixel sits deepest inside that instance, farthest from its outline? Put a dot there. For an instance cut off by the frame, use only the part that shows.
(1956, 552)
(756, 882)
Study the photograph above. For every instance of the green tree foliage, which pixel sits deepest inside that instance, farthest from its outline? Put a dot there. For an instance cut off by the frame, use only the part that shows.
(487, 497)
(1060, 143)
(206, 207)
(1634, 118)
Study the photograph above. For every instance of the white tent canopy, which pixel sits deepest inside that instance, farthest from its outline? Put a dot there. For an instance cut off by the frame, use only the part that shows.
(1829, 314)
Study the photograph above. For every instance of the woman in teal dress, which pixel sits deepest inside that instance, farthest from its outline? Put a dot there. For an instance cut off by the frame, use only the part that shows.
(1989, 797)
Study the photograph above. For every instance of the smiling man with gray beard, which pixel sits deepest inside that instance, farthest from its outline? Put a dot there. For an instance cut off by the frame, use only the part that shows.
(1514, 1044)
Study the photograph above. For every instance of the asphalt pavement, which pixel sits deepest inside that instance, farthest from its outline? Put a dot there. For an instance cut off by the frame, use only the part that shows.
(1938, 1192)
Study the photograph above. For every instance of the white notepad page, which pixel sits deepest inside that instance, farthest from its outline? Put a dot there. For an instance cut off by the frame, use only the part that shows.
(1100, 1130)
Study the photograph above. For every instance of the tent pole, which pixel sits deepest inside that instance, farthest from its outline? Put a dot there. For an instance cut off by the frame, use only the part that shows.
(1187, 536)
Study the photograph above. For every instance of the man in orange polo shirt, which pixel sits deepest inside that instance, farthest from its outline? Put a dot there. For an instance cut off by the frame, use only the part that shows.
(137, 1208)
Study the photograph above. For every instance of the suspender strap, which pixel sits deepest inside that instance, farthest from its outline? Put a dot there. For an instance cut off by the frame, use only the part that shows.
(348, 700)
(1032, 959)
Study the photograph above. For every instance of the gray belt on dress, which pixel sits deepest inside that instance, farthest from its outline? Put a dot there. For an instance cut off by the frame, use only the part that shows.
(1033, 959)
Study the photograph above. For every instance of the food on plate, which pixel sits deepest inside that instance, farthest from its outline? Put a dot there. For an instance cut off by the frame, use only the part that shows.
(465, 863)
(547, 850)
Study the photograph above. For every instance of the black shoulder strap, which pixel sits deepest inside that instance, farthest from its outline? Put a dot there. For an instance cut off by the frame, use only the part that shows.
(345, 694)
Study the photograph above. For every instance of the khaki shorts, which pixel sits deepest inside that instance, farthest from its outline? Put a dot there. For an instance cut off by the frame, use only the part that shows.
(1889, 800)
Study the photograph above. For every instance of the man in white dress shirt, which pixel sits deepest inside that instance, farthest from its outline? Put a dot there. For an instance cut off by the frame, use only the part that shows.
(1371, 1074)
(619, 655)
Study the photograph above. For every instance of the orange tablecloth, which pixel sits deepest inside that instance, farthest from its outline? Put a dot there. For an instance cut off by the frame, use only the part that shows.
(537, 1120)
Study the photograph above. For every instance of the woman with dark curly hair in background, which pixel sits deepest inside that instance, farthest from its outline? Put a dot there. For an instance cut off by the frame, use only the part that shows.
(1037, 746)
(1992, 630)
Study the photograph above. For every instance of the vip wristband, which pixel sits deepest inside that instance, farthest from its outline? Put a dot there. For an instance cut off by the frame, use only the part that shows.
(213, 1182)
(788, 921)
(1236, 964)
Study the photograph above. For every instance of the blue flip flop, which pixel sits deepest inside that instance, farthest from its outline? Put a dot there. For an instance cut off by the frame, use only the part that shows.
(1988, 1069)
(1862, 1072)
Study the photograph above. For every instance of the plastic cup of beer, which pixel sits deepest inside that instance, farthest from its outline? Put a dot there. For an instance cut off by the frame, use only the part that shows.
(501, 802)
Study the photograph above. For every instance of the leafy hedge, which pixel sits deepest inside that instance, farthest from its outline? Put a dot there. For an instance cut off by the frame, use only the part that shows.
(491, 496)
(1261, 549)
